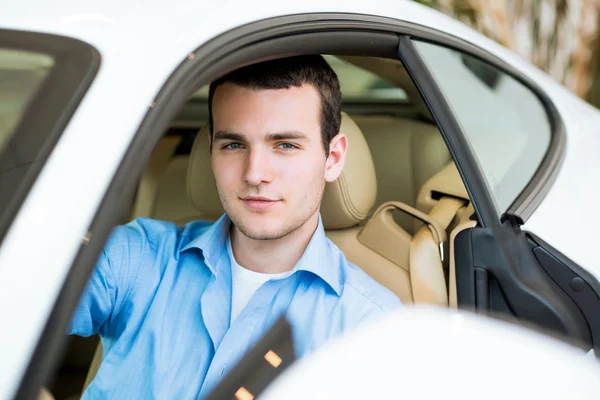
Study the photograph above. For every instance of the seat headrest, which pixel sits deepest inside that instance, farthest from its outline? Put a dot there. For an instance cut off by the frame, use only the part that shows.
(202, 189)
(346, 201)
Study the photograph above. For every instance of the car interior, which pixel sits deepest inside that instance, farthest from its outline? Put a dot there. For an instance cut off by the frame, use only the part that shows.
(394, 211)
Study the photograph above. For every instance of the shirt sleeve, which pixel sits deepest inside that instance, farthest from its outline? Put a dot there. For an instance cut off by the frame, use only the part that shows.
(111, 280)
(97, 301)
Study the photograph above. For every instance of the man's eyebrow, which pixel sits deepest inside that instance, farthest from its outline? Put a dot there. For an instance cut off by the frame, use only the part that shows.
(227, 135)
(290, 135)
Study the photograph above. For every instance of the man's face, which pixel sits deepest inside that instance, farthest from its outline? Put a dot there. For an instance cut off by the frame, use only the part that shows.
(268, 158)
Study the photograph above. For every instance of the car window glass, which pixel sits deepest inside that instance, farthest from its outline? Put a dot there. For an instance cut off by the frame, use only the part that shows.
(42, 79)
(356, 84)
(504, 121)
(21, 75)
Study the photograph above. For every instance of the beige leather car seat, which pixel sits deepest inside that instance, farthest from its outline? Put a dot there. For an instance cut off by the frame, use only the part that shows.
(410, 266)
(377, 245)
(182, 197)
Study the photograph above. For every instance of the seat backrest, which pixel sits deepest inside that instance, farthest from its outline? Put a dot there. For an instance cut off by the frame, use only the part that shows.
(406, 154)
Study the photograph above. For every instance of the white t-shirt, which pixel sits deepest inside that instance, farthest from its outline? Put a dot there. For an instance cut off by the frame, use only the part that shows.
(245, 282)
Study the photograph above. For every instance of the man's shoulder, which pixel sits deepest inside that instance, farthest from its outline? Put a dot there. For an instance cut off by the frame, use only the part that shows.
(362, 287)
(193, 229)
(147, 245)
(156, 233)
(359, 287)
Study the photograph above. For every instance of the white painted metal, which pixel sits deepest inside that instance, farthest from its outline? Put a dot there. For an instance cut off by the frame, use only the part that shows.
(430, 353)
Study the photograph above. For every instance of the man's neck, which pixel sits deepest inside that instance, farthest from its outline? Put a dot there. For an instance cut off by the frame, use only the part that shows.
(272, 256)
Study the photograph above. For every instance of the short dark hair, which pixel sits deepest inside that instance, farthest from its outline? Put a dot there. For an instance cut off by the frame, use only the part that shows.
(284, 73)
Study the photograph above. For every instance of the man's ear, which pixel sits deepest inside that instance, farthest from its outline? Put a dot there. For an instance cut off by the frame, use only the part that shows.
(337, 157)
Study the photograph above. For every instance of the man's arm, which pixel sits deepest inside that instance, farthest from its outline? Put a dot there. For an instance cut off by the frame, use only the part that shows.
(97, 301)
(111, 281)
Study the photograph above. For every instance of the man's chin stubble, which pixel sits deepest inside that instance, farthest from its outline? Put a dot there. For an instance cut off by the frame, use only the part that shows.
(284, 232)
(273, 236)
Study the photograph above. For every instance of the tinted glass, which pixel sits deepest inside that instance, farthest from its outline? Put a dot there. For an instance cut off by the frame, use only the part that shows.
(21, 75)
(42, 79)
(505, 122)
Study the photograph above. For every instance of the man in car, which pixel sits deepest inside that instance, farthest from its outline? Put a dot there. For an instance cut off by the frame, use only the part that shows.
(176, 308)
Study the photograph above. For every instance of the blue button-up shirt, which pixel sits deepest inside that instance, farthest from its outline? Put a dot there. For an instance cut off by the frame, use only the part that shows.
(160, 299)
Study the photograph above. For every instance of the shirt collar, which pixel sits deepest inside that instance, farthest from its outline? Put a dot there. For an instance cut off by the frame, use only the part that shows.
(211, 241)
(318, 258)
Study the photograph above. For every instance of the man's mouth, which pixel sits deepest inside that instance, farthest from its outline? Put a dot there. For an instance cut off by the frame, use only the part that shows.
(259, 203)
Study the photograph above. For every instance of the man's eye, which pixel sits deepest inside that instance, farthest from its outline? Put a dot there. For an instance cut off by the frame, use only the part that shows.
(232, 146)
(286, 146)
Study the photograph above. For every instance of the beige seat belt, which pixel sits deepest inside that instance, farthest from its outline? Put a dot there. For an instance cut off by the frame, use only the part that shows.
(416, 253)
(444, 212)
(437, 221)
(384, 217)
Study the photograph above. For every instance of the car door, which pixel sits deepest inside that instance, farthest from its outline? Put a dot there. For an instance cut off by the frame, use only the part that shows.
(507, 139)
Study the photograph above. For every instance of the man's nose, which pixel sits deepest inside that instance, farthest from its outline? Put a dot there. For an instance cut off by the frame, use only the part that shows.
(258, 168)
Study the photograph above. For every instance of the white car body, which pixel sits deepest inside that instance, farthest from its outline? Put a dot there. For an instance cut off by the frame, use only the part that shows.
(141, 44)
(514, 363)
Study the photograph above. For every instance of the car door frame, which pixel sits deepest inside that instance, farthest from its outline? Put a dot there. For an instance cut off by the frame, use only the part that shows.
(224, 52)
